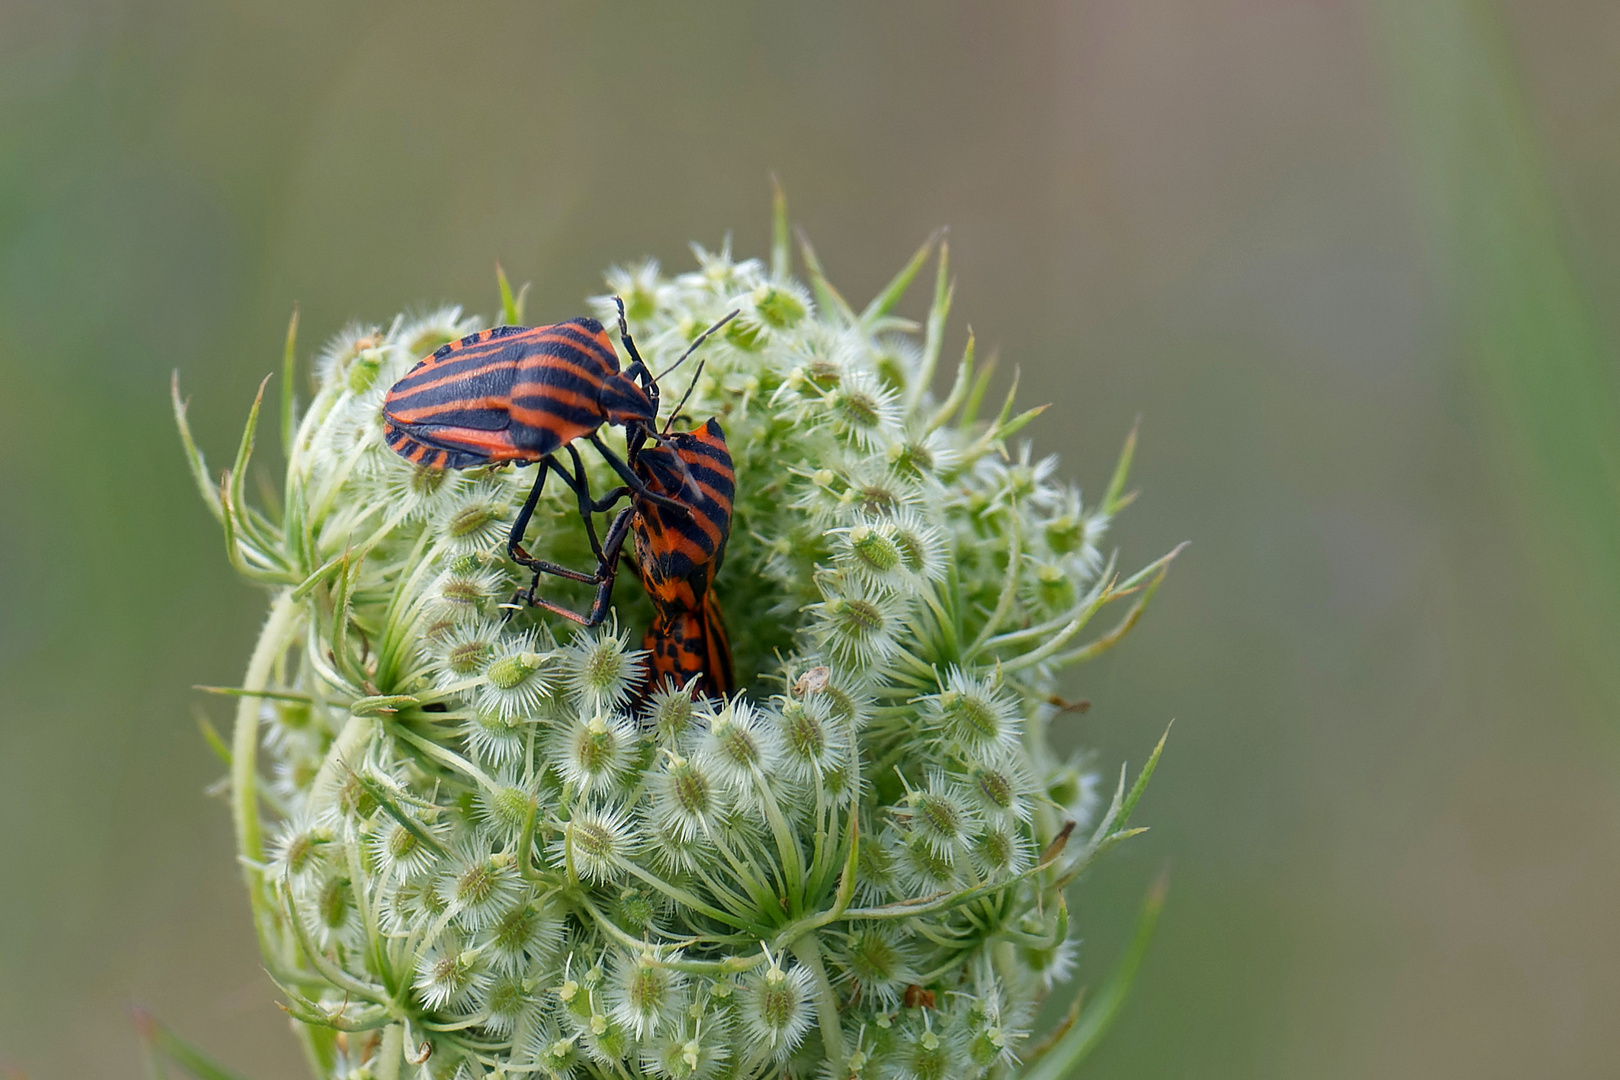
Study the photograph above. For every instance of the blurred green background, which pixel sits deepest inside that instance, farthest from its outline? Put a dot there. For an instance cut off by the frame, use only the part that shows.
(1353, 261)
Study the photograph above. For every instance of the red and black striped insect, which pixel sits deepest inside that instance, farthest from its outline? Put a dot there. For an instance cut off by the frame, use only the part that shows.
(677, 553)
(677, 556)
(514, 393)
(520, 394)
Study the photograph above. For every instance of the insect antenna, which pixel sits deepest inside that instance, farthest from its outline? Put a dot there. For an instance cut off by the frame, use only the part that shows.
(637, 368)
(690, 349)
(681, 404)
(701, 338)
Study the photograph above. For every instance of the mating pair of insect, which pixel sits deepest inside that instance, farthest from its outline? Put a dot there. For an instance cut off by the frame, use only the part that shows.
(526, 394)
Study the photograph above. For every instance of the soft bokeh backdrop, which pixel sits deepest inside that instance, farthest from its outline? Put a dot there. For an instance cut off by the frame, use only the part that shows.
(1353, 261)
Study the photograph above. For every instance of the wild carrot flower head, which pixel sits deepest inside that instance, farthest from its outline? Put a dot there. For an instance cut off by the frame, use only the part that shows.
(494, 843)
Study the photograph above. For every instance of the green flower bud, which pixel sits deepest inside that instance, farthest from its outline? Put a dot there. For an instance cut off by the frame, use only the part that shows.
(778, 307)
(363, 371)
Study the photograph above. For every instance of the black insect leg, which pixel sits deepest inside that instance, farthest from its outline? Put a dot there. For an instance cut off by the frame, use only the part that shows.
(607, 573)
(514, 540)
(610, 565)
(605, 503)
(607, 554)
(520, 555)
(527, 596)
(581, 485)
(541, 566)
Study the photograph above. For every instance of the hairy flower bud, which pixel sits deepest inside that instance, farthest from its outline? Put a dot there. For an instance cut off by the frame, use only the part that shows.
(487, 844)
(775, 1008)
(645, 994)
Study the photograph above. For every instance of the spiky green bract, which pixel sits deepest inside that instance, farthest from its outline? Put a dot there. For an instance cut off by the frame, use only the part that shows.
(491, 853)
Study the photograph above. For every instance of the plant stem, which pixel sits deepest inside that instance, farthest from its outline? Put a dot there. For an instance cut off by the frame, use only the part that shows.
(807, 950)
(273, 640)
(386, 1065)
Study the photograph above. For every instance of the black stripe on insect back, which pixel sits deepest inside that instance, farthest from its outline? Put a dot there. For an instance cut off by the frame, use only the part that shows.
(559, 373)
(504, 348)
(721, 483)
(714, 494)
(586, 333)
(688, 527)
(473, 346)
(459, 415)
(474, 377)
(564, 412)
(588, 361)
(711, 459)
(691, 443)
(459, 365)
(582, 326)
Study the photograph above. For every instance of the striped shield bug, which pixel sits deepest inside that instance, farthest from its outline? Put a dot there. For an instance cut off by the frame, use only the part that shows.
(677, 556)
(677, 553)
(516, 394)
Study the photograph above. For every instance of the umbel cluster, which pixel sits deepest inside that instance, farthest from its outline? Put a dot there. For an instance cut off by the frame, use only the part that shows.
(478, 844)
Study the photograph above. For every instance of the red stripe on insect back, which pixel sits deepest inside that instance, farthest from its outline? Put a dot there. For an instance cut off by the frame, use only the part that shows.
(430, 382)
(484, 446)
(565, 428)
(426, 413)
(557, 375)
(586, 335)
(537, 401)
(431, 457)
(470, 354)
(497, 445)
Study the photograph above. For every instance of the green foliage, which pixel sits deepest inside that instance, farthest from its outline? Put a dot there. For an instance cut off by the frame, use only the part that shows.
(1533, 342)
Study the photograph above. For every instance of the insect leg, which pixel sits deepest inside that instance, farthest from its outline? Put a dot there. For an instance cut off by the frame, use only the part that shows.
(610, 565)
(597, 506)
(555, 609)
(514, 540)
(606, 573)
(631, 480)
(581, 486)
(602, 579)
(519, 555)
(636, 435)
(605, 503)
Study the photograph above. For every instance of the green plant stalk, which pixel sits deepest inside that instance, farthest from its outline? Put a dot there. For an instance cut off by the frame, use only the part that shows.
(807, 951)
(1095, 1019)
(273, 640)
(1545, 373)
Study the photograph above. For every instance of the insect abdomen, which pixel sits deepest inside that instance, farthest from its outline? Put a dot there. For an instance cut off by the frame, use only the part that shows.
(686, 643)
